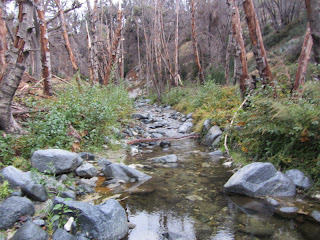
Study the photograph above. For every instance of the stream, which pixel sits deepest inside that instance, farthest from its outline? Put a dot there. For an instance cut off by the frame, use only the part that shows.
(185, 200)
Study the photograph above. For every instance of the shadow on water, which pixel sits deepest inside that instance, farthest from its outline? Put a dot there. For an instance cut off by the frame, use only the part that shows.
(187, 202)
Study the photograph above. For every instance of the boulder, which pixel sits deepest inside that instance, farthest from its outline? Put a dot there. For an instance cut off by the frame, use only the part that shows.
(299, 178)
(216, 155)
(68, 194)
(316, 216)
(206, 126)
(86, 170)
(15, 177)
(260, 179)
(213, 136)
(56, 161)
(86, 156)
(102, 162)
(105, 221)
(35, 191)
(12, 209)
(165, 159)
(30, 231)
(186, 127)
(61, 234)
(139, 116)
(123, 172)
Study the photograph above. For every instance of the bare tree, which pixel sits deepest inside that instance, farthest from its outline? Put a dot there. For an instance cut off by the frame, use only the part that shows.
(16, 66)
(3, 40)
(115, 43)
(241, 66)
(194, 40)
(257, 42)
(303, 60)
(45, 50)
(313, 13)
(176, 51)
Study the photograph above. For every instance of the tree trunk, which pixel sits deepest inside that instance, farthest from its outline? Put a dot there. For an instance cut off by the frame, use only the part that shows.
(257, 42)
(113, 53)
(3, 41)
(16, 66)
(303, 60)
(313, 13)
(194, 40)
(241, 68)
(45, 51)
(227, 64)
(176, 50)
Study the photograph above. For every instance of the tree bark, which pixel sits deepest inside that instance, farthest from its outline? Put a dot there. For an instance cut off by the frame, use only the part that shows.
(313, 13)
(303, 60)
(176, 50)
(194, 41)
(45, 50)
(16, 66)
(3, 41)
(257, 42)
(241, 68)
(113, 53)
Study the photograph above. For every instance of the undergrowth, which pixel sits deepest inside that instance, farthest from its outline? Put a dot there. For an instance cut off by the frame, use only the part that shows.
(73, 121)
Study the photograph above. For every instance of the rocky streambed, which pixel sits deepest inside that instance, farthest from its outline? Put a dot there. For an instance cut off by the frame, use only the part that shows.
(169, 185)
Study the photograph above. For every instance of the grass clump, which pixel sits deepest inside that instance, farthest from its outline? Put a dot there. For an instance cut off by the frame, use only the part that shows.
(73, 121)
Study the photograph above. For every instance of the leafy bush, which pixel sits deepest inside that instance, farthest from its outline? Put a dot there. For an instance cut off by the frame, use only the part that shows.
(5, 190)
(284, 131)
(74, 120)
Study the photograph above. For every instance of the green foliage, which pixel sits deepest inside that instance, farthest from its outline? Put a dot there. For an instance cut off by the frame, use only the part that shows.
(88, 115)
(216, 74)
(284, 131)
(21, 163)
(209, 101)
(5, 190)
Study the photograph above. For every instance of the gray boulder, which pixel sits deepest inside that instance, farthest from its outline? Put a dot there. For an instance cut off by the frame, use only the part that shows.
(15, 177)
(299, 178)
(61, 234)
(87, 170)
(206, 126)
(260, 179)
(316, 215)
(123, 172)
(186, 127)
(35, 191)
(55, 161)
(102, 162)
(139, 116)
(12, 209)
(104, 221)
(30, 231)
(68, 194)
(165, 159)
(86, 156)
(213, 136)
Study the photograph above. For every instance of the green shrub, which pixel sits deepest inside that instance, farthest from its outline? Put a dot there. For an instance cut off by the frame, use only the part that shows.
(5, 190)
(284, 131)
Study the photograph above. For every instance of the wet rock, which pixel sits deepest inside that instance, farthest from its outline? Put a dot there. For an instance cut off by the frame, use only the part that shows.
(134, 150)
(39, 222)
(61, 234)
(213, 136)
(90, 182)
(36, 192)
(260, 179)
(68, 194)
(206, 126)
(56, 161)
(104, 221)
(86, 156)
(227, 164)
(139, 116)
(165, 144)
(165, 159)
(15, 177)
(316, 215)
(102, 162)
(288, 212)
(123, 172)
(257, 227)
(186, 127)
(172, 236)
(156, 135)
(299, 178)
(30, 231)
(86, 170)
(157, 125)
(12, 209)
(131, 225)
(216, 155)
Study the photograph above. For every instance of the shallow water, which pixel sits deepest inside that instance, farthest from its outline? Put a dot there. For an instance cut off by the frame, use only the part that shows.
(187, 202)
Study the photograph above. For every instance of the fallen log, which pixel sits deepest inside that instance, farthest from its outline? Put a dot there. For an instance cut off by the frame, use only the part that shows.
(162, 139)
